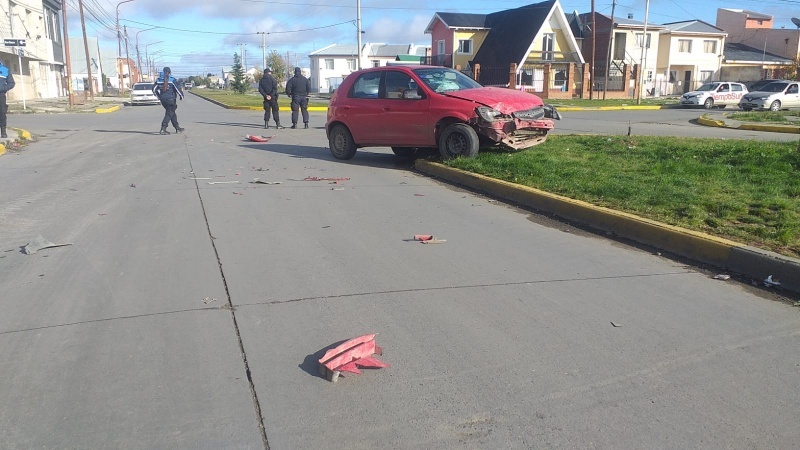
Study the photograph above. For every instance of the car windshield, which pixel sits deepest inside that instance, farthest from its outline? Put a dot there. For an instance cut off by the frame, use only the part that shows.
(142, 87)
(442, 79)
(774, 87)
(708, 87)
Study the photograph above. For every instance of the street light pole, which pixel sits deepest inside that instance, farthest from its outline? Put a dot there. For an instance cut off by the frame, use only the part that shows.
(358, 26)
(640, 81)
(119, 45)
(138, 55)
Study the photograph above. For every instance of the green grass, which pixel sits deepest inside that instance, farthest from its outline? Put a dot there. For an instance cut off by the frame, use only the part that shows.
(597, 103)
(767, 116)
(253, 99)
(741, 190)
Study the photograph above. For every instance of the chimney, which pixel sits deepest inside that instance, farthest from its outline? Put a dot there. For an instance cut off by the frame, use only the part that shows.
(630, 15)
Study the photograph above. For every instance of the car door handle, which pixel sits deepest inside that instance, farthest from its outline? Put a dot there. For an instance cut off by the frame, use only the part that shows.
(386, 108)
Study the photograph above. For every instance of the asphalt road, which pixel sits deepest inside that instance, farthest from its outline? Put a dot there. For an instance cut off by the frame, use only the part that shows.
(188, 315)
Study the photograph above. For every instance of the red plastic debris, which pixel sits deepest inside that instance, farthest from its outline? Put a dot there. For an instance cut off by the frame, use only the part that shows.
(349, 356)
(326, 179)
(423, 237)
(254, 138)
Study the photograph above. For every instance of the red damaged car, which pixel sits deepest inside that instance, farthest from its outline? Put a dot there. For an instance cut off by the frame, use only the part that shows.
(412, 107)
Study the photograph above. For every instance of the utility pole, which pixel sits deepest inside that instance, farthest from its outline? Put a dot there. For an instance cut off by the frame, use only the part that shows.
(127, 58)
(358, 26)
(119, 45)
(264, 51)
(86, 49)
(591, 68)
(608, 53)
(640, 81)
(66, 53)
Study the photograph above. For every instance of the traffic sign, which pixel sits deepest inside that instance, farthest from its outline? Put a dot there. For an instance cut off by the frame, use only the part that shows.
(14, 42)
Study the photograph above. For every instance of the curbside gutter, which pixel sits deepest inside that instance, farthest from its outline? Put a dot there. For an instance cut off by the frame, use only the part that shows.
(23, 134)
(722, 253)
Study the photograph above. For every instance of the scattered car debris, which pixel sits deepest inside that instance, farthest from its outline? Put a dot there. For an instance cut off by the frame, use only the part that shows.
(428, 239)
(133, 185)
(238, 193)
(200, 178)
(337, 189)
(40, 243)
(769, 282)
(326, 179)
(222, 182)
(254, 138)
(259, 181)
(419, 195)
(349, 356)
(208, 300)
(616, 324)
(260, 169)
(722, 277)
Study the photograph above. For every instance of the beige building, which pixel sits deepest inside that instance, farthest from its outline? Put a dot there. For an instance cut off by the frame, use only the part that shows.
(756, 30)
(689, 54)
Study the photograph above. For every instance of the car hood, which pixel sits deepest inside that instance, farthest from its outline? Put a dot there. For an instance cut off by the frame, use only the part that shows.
(504, 100)
(692, 93)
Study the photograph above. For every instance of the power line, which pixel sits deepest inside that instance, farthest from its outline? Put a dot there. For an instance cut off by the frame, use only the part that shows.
(235, 34)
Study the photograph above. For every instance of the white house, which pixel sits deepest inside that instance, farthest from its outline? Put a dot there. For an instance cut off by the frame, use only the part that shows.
(79, 69)
(331, 64)
(689, 54)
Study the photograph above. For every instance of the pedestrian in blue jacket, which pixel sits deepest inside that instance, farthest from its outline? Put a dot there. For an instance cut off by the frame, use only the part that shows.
(6, 84)
(168, 91)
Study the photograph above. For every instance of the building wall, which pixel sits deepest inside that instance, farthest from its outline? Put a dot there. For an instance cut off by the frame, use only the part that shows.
(477, 37)
(321, 77)
(440, 32)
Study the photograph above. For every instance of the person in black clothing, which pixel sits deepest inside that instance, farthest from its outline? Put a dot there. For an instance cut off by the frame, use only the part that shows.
(6, 84)
(168, 92)
(268, 88)
(298, 89)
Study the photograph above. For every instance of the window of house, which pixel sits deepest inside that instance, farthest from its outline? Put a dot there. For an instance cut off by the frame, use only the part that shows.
(649, 76)
(51, 25)
(685, 45)
(376, 63)
(706, 75)
(673, 76)
(560, 78)
(709, 46)
(639, 39)
(548, 40)
(465, 46)
(440, 47)
(329, 64)
(351, 64)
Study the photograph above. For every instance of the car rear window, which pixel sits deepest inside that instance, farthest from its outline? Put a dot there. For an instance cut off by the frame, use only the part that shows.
(366, 86)
(142, 86)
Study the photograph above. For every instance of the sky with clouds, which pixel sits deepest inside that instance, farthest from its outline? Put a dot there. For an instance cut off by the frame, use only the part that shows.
(196, 37)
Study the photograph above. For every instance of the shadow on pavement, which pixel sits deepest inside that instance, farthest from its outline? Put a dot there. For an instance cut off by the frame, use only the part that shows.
(310, 364)
(363, 157)
(129, 132)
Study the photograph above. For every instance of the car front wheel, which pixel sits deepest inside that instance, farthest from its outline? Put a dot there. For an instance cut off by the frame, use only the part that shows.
(341, 143)
(775, 106)
(459, 139)
(709, 103)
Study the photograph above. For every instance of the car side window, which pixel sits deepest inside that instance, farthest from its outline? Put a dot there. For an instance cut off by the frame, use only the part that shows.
(366, 86)
(736, 87)
(792, 89)
(723, 88)
(400, 85)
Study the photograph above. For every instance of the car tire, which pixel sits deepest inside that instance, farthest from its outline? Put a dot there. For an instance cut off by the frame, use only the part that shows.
(459, 139)
(746, 109)
(709, 103)
(722, 106)
(404, 152)
(341, 143)
(775, 106)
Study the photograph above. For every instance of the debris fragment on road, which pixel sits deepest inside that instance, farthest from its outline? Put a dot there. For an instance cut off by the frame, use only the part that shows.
(254, 138)
(208, 300)
(259, 181)
(428, 239)
(40, 243)
(616, 324)
(769, 282)
(222, 182)
(722, 277)
(349, 356)
(326, 179)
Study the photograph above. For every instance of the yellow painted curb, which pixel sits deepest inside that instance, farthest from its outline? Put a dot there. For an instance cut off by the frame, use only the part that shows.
(609, 108)
(2, 149)
(703, 120)
(107, 110)
(698, 246)
(23, 134)
(773, 128)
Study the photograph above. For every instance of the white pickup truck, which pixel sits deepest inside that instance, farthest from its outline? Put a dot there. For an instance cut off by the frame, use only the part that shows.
(716, 94)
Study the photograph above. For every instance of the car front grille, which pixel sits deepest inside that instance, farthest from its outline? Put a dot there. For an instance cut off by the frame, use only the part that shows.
(530, 114)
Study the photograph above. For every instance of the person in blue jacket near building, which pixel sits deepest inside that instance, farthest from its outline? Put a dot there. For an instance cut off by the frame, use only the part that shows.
(6, 84)
(168, 92)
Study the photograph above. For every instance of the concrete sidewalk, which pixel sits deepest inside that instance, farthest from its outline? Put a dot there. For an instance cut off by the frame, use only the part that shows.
(61, 105)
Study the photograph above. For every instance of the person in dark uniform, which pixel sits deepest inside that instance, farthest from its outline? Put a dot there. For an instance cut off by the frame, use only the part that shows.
(168, 92)
(6, 84)
(268, 88)
(298, 88)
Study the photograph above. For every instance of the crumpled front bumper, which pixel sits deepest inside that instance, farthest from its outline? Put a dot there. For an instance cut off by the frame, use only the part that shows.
(522, 130)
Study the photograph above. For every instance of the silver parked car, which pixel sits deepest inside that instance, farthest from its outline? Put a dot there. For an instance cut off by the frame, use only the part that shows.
(142, 94)
(775, 96)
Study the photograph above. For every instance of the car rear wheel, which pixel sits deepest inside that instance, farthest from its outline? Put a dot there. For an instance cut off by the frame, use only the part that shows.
(459, 139)
(404, 152)
(709, 103)
(341, 143)
(775, 106)
(722, 106)
(746, 109)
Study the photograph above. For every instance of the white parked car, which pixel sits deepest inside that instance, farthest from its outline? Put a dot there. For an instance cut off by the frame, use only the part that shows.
(775, 96)
(717, 94)
(142, 94)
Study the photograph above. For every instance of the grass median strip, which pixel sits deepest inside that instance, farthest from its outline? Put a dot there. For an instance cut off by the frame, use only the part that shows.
(745, 191)
(231, 98)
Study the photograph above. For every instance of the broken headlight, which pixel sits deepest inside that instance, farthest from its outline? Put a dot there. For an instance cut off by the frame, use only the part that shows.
(489, 114)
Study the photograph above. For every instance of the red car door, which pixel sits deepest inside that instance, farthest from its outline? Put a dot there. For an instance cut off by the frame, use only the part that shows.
(361, 109)
(405, 121)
